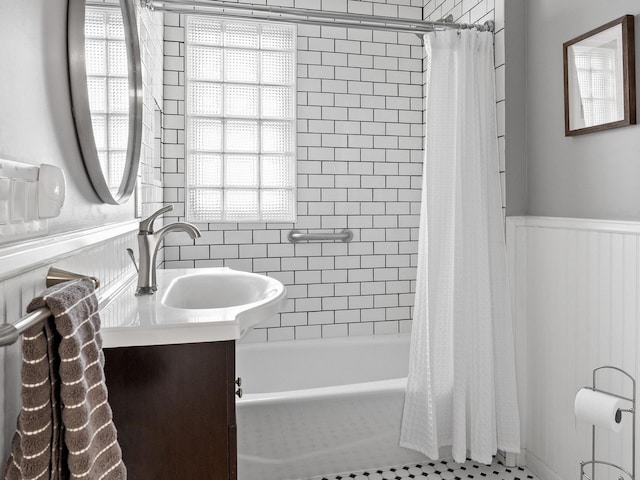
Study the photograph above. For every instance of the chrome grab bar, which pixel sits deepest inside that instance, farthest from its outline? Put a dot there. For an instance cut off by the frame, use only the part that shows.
(296, 236)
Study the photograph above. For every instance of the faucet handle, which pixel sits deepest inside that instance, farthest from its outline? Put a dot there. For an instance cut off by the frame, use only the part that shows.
(146, 225)
(133, 258)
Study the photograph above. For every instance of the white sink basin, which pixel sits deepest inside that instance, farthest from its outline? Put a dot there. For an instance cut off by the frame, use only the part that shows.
(221, 288)
(193, 306)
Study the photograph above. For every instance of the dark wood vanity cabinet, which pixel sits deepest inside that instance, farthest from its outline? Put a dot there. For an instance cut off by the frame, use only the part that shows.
(174, 408)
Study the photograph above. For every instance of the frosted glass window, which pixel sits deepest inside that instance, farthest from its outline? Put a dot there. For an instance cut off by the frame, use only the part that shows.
(204, 63)
(241, 100)
(206, 170)
(241, 171)
(204, 205)
(277, 137)
(241, 35)
(108, 88)
(241, 136)
(204, 31)
(204, 134)
(277, 102)
(205, 98)
(241, 205)
(240, 108)
(277, 38)
(277, 67)
(240, 65)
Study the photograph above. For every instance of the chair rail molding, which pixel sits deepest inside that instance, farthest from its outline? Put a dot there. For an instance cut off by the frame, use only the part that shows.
(27, 255)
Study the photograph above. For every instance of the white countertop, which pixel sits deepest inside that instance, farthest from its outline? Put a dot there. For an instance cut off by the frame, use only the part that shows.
(141, 321)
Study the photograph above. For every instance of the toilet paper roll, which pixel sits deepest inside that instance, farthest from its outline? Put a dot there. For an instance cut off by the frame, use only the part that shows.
(599, 409)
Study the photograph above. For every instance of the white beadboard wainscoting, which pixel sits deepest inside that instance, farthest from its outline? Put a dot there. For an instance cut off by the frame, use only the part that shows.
(576, 290)
(96, 252)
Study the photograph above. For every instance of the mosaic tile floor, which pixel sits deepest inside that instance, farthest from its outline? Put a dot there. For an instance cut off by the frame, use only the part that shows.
(446, 470)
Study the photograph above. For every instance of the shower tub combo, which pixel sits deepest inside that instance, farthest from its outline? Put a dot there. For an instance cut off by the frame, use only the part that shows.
(316, 407)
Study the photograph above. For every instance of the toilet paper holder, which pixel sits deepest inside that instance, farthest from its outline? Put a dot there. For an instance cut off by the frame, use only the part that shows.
(632, 410)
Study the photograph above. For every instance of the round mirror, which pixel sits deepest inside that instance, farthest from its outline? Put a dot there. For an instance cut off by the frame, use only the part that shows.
(106, 94)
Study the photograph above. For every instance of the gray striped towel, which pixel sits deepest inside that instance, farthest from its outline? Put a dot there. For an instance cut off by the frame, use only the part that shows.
(65, 428)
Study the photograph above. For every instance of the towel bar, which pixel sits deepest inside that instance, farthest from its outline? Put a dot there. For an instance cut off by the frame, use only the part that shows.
(56, 276)
(10, 332)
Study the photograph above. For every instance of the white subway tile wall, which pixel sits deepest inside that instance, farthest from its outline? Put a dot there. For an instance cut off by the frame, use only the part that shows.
(360, 142)
(149, 191)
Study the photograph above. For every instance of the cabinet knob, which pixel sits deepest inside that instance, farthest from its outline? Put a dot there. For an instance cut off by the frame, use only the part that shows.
(239, 381)
(239, 393)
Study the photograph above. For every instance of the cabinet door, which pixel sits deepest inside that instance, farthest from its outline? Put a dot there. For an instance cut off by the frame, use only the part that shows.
(171, 408)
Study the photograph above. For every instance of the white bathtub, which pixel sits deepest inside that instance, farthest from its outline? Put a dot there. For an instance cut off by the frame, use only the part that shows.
(316, 407)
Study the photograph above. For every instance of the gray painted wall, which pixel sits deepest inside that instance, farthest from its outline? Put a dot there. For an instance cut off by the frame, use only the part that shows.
(514, 40)
(36, 125)
(588, 176)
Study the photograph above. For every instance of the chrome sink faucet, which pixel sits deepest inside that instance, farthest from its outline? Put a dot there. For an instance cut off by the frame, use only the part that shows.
(148, 244)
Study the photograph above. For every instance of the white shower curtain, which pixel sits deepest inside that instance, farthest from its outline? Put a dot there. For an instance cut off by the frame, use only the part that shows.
(461, 390)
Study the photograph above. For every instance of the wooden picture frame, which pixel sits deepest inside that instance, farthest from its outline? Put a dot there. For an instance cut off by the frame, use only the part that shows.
(599, 78)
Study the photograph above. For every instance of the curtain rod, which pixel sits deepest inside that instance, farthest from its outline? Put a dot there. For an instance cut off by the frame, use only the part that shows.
(307, 17)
